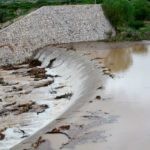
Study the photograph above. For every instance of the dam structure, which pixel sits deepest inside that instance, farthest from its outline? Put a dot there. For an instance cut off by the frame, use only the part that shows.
(48, 70)
(62, 88)
(52, 25)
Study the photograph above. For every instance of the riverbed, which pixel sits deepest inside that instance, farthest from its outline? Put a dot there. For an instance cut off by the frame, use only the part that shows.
(109, 105)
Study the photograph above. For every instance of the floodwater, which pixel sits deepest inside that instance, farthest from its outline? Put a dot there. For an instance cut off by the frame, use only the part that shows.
(128, 97)
(125, 96)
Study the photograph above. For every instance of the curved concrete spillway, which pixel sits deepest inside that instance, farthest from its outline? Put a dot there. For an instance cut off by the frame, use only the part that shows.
(74, 77)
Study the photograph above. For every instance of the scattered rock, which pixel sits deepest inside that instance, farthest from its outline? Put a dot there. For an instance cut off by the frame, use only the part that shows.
(1, 80)
(60, 130)
(53, 76)
(71, 48)
(34, 63)
(10, 96)
(38, 73)
(108, 73)
(16, 89)
(98, 97)
(43, 83)
(51, 63)
(101, 87)
(41, 108)
(2, 130)
(3, 83)
(106, 113)
(97, 58)
(11, 67)
(103, 67)
(107, 69)
(17, 109)
(65, 127)
(90, 116)
(23, 133)
(2, 136)
(59, 87)
(60, 119)
(10, 104)
(38, 142)
(68, 96)
(36, 79)
(111, 75)
(55, 130)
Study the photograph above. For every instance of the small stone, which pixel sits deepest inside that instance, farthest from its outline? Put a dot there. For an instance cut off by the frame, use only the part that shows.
(2, 136)
(34, 63)
(101, 87)
(106, 113)
(98, 97)
(65, 127)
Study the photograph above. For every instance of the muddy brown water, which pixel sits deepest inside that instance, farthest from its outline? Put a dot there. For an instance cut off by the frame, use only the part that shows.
(128, 96)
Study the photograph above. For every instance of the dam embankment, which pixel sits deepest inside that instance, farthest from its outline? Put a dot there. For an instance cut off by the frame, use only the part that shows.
(52, 25)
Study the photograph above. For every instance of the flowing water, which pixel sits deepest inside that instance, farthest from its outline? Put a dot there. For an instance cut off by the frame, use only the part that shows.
(128, 97)
(126, 94)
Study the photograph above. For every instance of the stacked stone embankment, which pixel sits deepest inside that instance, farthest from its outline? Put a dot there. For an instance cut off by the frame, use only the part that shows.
(52, 25)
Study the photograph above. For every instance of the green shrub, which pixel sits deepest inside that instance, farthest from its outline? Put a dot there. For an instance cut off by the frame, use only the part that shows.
(9, 11)
(6, 15)
(40, 3)
(145, 31)
(141, 9)
(84, 1)
(136, 24)
(119, 12)
(2, 15)
(130, 34)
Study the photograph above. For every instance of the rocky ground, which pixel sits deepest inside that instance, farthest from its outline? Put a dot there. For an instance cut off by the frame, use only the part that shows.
(24, 90)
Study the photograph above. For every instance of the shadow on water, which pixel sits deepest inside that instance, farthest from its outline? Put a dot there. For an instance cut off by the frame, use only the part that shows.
(129, 96)
(120, 59)
(140, 49)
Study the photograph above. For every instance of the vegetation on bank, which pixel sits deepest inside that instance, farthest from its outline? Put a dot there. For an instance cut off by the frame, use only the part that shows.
(130, 18)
